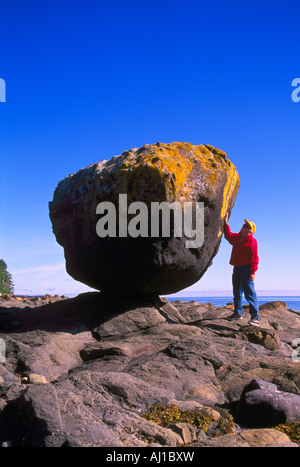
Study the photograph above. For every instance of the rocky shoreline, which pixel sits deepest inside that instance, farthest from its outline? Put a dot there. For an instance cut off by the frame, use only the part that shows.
(92, 371)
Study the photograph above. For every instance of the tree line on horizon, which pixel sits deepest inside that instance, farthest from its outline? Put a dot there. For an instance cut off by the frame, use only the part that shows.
(6, 282)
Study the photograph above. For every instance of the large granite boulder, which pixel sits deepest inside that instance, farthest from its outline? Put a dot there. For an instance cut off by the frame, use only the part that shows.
(92, 209)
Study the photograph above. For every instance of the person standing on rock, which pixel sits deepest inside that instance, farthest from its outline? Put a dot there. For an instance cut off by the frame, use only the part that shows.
(244, 259)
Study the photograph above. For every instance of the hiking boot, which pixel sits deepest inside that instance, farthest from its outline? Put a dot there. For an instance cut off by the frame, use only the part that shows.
(235, 316)
(254, 322)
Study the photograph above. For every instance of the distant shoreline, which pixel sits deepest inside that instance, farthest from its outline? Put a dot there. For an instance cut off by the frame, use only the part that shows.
(228, 293)
(292, 301)
(187, 294)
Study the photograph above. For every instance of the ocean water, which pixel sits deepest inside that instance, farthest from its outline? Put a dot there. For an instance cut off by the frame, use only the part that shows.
(293, 302)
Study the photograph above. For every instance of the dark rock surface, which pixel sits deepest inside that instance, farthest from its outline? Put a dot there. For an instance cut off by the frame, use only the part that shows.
(262, 404)
(83, 371)
(148, 264)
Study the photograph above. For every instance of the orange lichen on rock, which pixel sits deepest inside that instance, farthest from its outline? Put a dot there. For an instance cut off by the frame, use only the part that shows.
(147, 262)
(177, 171)
(158, 166)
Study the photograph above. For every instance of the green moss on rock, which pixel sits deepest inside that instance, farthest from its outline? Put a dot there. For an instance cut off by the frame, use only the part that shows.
(164, 415)
(292, 430)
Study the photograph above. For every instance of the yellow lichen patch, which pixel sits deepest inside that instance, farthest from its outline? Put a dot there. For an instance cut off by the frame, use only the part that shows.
(177, 171)
(218, 168)
(229, 193)
(173, 168)
(212, 165)
(157, 165)
(230, 188)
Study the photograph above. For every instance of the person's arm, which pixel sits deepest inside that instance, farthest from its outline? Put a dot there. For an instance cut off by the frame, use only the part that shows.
(227, 232)
(253, 259)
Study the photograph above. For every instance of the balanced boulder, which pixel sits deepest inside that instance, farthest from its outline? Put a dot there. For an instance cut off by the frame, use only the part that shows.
(119, 223)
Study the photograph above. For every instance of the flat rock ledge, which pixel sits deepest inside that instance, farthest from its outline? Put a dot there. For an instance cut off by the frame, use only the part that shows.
(71, 376)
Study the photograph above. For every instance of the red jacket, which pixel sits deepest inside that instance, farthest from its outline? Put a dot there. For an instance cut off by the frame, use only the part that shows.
(242, 252)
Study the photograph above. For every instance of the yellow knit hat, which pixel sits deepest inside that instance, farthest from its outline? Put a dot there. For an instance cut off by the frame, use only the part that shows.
(251, 225)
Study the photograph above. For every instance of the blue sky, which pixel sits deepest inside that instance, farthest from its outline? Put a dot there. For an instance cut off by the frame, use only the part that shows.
(86, 80)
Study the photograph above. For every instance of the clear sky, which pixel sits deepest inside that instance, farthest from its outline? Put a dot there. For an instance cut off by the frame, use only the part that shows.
(88, 79)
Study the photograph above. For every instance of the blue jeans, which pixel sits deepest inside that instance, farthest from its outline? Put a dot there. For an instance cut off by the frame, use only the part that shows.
(242, 284)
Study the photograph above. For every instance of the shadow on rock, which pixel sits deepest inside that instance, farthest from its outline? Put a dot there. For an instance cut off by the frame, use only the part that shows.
(74, 315)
